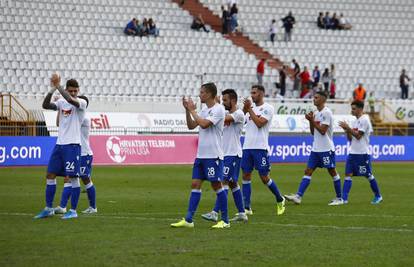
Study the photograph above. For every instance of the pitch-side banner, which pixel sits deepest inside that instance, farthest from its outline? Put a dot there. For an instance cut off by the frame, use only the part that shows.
(181, 149)
(144, 149)
(108, 122)
(401, 111)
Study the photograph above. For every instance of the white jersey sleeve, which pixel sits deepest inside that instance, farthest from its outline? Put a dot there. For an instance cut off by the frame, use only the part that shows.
(361, 146)
(85, 146)
(210, 140)
(232, 134)
(323, 143)
(255, 137)
(70, 120)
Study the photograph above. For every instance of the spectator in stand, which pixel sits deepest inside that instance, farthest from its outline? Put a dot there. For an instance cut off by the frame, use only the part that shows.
(131, 28)
(230, 4)
(327, 21)
(233, 14)
(326, 79)
(282, 81)
(260, 71)
(332, 89)
(332, 72)
(152, 28)
(344, 24)
(306, 93)
(296, 73)
(225, 20)
(404, 84)
(334, 22)
(316, 76)
(305, 79)
(145, 27)
(288, 23)
(360, 93)
(198, 23)
(319, 21)
(272, 31)
(371, 102)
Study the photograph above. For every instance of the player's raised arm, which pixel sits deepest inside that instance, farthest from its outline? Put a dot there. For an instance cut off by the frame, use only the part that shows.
(258, 121)
(310, 118)
(65, 92)
(351, 132)
(47, 104)
(191, 124)
(203, 123)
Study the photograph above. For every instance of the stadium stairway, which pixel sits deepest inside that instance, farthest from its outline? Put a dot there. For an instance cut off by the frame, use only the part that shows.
(195, 7)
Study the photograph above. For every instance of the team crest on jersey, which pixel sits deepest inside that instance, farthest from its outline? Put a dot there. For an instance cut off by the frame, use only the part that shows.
(66, 112)
(265, 112)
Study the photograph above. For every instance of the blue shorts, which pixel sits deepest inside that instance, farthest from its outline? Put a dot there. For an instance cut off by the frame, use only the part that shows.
(255, 158)
(358, 165)
(321, 160)
(208, 169)
(231, 168)
(65, 160)
(86, 166)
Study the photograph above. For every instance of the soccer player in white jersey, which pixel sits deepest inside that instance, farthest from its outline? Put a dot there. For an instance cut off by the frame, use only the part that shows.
(85, 170)
(358, 162)
(208, 164)
(256, 147)
(65, 158)
(323, 150)
(233, 127)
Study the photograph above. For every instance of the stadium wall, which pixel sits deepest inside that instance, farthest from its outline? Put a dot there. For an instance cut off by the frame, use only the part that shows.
(181, 149)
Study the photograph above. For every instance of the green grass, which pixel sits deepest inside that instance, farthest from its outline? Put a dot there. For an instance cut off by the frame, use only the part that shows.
(137, 204)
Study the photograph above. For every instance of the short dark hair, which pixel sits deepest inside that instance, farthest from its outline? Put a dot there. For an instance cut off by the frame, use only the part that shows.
(259, 87)
(84, 98)
(231, 92)
(72, 83)
(211, 88)
(322, 93)
(358, 104)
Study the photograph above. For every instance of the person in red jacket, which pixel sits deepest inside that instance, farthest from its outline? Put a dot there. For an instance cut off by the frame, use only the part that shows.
(260, 71)
(305, 79)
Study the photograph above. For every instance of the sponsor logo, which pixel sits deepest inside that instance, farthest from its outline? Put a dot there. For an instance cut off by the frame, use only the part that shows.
(113, 148)
(66, 112)
(100, 122)
(288, 110)
(291, 122)
(401, 113)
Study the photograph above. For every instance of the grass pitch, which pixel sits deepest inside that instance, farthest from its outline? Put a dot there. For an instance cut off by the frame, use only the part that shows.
(137, 204)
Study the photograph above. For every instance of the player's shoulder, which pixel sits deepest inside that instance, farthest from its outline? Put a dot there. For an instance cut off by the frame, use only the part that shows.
(86, 122)
(268, 106)
(239, 112)
(326, 110)
(218, 108)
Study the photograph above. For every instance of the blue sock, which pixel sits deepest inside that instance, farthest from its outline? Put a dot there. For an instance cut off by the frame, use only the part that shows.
(374, 185)
(193, 204)
(75, 193)
(216, 206)
(222, 198)
(247, 192)
(90, 190)
(303, 185)
(347, 187)
(50, 192)
(67, 190)
(273, 187)
(337, 185)
(238, 199)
